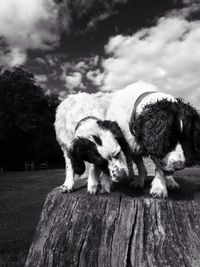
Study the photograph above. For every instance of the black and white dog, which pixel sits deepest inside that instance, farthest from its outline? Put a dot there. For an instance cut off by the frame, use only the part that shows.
(85, 137)
(158, 125)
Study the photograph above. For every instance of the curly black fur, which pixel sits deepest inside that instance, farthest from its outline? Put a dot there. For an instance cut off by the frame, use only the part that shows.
(157, 129)
(97, 140)
(85, 150)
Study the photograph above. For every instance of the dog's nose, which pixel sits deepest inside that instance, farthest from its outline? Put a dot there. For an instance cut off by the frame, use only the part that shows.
(178, 165)
(117, 174)
(123, 173)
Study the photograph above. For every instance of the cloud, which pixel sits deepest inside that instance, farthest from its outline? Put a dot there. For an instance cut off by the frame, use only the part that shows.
(81, 66)
(74, 81)
(81, 73)
(27, 25)
(95, 76)
(166, 55)
(41, 79)
(40, 60)
(14, 57)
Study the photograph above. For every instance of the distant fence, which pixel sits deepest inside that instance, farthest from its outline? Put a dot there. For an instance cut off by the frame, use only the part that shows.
(31, 166)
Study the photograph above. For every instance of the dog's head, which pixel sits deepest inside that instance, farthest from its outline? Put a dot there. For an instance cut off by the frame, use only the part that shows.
(158, 130)
(104, 146)
(114, 149)
(82, 149)
(170, 133)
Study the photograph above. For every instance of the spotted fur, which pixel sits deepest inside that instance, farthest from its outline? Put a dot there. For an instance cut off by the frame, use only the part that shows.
(85, 137)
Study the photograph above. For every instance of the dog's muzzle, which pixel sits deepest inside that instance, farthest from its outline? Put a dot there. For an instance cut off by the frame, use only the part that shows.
(174, 160)
(172, 166)
(117, 170)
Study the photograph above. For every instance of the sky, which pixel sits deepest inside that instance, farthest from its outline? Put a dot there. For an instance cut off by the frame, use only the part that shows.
(95, 45)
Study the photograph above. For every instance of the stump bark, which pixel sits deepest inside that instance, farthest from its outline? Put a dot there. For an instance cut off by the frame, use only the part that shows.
(124, 228)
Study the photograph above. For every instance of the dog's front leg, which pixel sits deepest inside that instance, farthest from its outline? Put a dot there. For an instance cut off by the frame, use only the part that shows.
(142, 172)
(106, 183)
(158, 185)
(171, 183)
(69, 175)
(93, 179)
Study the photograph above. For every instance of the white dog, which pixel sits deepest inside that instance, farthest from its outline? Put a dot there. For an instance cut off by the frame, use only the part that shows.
(158, 125)
(85, 137)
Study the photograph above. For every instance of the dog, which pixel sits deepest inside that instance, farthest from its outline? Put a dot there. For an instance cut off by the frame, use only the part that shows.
(158, 125)
(84, 136)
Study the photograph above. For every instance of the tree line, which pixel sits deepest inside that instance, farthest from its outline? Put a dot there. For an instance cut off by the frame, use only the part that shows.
(27, 116)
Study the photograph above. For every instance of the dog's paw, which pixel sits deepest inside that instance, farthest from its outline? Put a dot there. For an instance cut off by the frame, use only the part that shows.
(65, 189)
(92, 189)
(158, 189)
(106, 188)
(171, 183)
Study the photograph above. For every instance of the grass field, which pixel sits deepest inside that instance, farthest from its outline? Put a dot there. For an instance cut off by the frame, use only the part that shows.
(22, 195)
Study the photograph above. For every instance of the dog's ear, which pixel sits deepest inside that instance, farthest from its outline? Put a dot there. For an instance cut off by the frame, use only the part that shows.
(82, 150)
(76, 156)
(191, 131)
(157, 133)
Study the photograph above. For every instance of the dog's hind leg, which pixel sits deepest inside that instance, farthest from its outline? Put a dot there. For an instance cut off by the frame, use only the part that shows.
(69, 174)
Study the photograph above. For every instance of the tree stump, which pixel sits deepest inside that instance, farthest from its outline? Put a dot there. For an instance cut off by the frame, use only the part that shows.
(124, 228)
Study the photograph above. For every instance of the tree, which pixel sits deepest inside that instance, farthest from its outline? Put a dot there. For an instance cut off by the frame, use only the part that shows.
(26, 120)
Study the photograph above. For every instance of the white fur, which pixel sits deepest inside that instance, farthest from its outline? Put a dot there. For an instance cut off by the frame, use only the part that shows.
(181, 125)
(72, 110)
(177, 155)
(158, 185)
(69, 181)
(69, 113)
(110, 146)
(93, 179)
(122, 105)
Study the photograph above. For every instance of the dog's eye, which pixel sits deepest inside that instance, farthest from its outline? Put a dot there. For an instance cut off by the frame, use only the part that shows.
(116, 156)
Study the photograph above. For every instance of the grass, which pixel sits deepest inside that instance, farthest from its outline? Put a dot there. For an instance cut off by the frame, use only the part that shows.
(22, 195)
